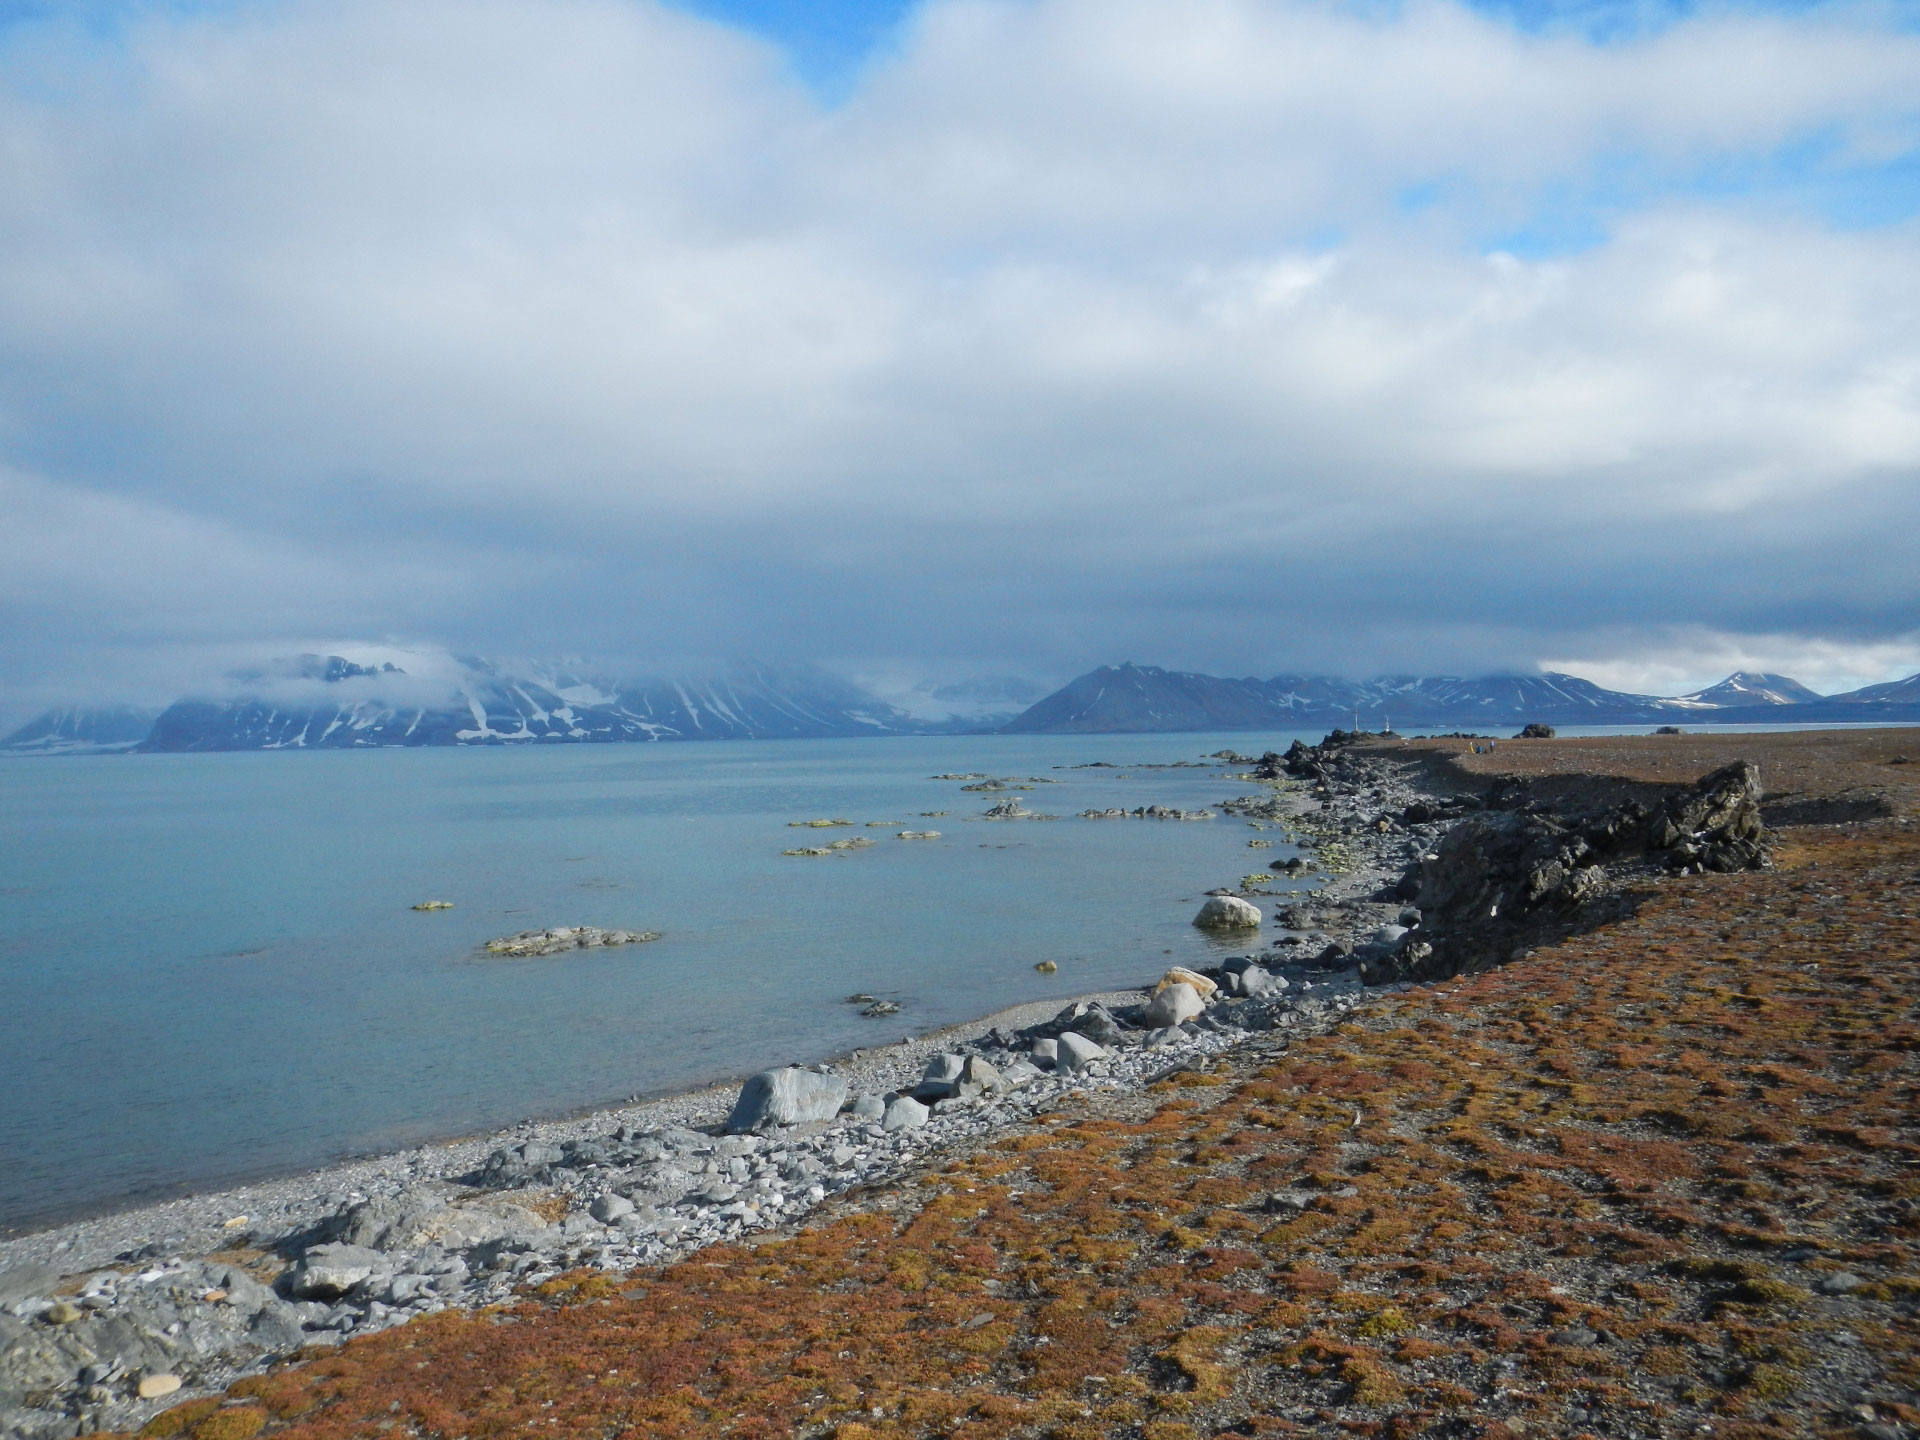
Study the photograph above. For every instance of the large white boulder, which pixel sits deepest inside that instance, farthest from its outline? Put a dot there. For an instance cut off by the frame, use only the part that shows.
(1173, 1005)
(789, 1096)
(1227, 912)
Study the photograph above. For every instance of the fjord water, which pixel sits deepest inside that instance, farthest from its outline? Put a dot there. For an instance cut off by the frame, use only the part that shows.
(209, 968)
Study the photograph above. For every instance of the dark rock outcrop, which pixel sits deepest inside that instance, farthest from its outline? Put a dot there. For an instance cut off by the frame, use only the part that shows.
(1517, 875)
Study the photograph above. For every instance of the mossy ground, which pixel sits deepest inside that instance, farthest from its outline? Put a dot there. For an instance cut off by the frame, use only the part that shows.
(1556, 1199)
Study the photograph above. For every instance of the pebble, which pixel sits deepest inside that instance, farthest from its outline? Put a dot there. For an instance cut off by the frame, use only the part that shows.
(152, 1387)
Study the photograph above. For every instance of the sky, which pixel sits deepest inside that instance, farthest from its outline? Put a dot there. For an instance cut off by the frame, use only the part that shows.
(965, 337)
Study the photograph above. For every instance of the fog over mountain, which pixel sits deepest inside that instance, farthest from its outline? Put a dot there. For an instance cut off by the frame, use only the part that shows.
(1329, 340)
(330, 702)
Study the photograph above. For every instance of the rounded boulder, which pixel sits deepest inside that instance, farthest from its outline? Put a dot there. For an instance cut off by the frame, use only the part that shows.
(1227, 912)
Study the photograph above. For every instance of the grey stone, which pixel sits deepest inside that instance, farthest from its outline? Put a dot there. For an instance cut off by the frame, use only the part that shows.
(1077, 1052)
(1281, 1201)
(1172, 1005)
(941, 1079)
(1257, 983)
(1019, 1073)
(1840, 1282)
(277, 1329)
(869, 1107)
(904, 1113)
(25, 1282)
(981, 1077)
(610, 1209)
(1046, 1053)
(790, 1096)
(327, 1271)
(1227, 912)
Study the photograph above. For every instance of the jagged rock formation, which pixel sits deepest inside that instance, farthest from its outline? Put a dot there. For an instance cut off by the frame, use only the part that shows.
(1501, 880)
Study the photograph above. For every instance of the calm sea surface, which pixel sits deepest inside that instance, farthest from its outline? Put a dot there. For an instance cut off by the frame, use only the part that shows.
(209, 968)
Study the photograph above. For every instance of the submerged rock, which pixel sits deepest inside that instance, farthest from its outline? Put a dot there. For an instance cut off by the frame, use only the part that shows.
(563, 938)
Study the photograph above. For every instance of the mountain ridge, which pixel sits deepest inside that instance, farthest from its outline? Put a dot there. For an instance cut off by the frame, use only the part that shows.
(313, 701)
(331, 702)
(1130, 698)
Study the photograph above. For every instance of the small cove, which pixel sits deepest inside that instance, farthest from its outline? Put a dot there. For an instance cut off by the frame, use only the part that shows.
(210, 968)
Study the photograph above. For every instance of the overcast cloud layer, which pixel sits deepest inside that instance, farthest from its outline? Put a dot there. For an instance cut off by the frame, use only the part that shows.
(1248, 335)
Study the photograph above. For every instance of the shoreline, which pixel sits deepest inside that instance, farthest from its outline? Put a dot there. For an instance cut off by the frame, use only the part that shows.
(229, 1281)
(705, 1104)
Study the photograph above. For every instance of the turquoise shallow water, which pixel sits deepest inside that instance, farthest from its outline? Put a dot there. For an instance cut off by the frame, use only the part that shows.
(209, 968)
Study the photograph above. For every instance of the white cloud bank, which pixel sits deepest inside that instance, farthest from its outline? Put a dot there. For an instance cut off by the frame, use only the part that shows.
(1176, 329)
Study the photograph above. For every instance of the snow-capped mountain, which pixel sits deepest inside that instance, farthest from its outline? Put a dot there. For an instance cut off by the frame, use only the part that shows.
(434, 698)
(1145, 697)
(1748, 687)
(1894, 692)
(1134, 698)
(487, 704)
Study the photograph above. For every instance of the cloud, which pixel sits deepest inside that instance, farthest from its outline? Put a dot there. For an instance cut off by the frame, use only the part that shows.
(1192, 331)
